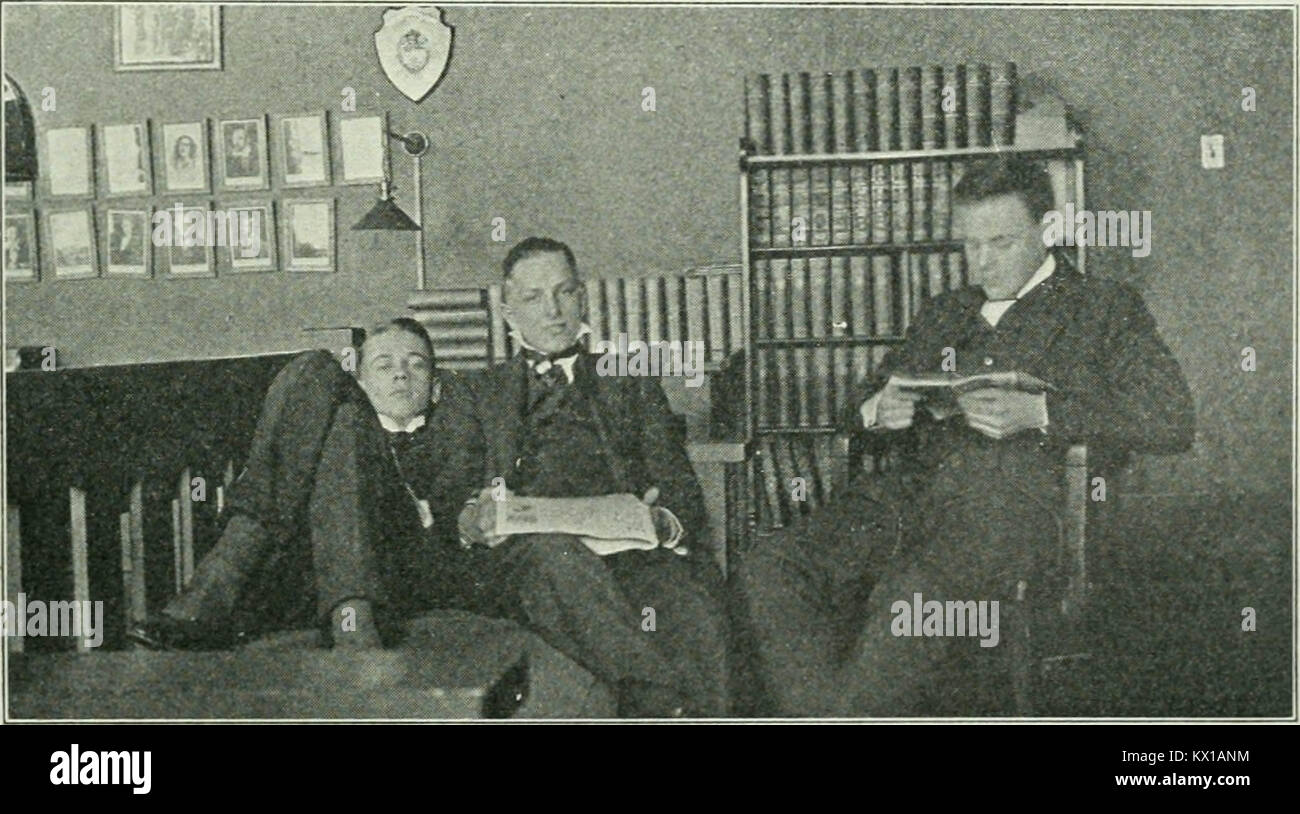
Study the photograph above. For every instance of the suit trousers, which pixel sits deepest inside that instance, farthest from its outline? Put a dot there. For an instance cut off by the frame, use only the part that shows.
(817, 600)
(648, 616)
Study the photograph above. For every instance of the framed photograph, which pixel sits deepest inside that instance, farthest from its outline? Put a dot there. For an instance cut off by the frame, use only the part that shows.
(185, 157)
(125, 154)
(309, 234)
(252, 248)
(72, 243)
(127, 243)
(167, 37)
(67, 155)
(189, 246)
(241, 154)
(302, 146)
(363, 142)
(20, 249)
(18, 190)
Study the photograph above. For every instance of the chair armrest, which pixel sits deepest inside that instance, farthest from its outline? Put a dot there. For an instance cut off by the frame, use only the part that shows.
(1075, 527)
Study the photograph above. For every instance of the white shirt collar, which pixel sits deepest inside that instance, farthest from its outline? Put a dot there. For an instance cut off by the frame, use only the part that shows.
(994, 309)
(566, 364)
(392, 425)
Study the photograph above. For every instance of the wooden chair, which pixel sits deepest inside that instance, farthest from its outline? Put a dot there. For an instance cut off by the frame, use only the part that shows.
(1046, 639)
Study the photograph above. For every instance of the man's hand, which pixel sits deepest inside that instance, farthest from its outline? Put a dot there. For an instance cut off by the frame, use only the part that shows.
(477, 521)
(999, 413)
(667, 527)
(896, 407)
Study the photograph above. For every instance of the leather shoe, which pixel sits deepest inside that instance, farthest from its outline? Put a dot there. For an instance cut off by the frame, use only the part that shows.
(644, 699)
(169, 633)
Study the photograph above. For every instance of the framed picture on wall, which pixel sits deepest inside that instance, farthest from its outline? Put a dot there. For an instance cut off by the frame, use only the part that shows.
(67, 155)
(127, 243)
(241, 154)
(252, 245)
(309, 234)
(72, 243)
(125, 155)
(167, 37)
(20, 248)
(18, 190)
(362, 149)
(185, 157)
(189, 253)
(302, 150)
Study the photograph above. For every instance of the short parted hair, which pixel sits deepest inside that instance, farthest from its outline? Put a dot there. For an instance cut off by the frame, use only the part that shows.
(1008, 175)
(405, 325)
(530, 246)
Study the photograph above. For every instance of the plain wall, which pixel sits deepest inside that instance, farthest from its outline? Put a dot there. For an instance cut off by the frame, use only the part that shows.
(538, 121)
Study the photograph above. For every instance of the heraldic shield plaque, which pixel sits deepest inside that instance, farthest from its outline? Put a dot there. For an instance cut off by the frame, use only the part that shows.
(414, 45)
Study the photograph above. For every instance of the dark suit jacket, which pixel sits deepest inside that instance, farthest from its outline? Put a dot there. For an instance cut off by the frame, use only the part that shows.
(1118, 388)
(643, 442)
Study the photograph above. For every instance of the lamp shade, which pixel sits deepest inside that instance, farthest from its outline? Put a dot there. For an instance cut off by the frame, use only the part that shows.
(388, 216)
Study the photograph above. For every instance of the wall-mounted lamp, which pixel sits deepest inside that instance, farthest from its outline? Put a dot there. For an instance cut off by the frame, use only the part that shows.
(387, 215)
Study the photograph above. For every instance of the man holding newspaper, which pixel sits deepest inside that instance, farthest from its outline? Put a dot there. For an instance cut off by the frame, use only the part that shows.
(590, 506)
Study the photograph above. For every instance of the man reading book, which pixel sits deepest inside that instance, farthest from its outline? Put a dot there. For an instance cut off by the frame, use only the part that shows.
(974, 504)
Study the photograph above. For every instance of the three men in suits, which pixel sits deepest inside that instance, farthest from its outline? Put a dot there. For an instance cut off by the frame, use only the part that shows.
(647, 623)
(974, 506)
(344, 515)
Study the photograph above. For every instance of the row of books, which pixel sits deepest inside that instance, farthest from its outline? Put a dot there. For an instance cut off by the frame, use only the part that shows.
(903, 202)
(832, 312)
(872, 110)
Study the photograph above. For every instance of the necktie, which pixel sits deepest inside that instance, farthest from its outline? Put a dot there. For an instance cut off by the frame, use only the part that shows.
(545, 365)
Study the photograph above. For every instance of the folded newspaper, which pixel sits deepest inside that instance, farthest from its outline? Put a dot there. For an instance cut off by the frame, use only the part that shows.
(607, 524)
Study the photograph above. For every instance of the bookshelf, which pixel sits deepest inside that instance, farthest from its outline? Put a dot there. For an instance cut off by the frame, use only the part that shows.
(845, 200)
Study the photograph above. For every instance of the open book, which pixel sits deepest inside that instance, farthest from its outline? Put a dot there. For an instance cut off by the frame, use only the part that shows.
(941, 389)
(607, 524)
(1005, 380)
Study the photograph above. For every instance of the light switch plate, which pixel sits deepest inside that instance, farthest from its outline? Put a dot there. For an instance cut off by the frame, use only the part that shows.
(1212, 152)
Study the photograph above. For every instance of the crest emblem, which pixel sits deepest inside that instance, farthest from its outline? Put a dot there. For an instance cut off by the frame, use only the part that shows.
(414, 45)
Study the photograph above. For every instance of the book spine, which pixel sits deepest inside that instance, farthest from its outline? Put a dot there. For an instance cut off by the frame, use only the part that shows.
(977, 105)
(1002, 104)
(818, 324)
(800, 177)
(770, 490)
(931, 112)
(762, 330)
(842, 221)
(861, 314)
(909, 108)
(758, 130)
(952, 101)
(956, 270)
(920, 201)
(819, 137)
(781, 330)
(799, 330)
(900, 199)
(841, 326)
(940, 200)
(782, 144)
(916, 264)
(882, 293)
(936, 269)
(909, 288)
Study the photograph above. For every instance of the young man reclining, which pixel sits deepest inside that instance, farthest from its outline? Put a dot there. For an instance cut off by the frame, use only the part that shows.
(344, 517)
